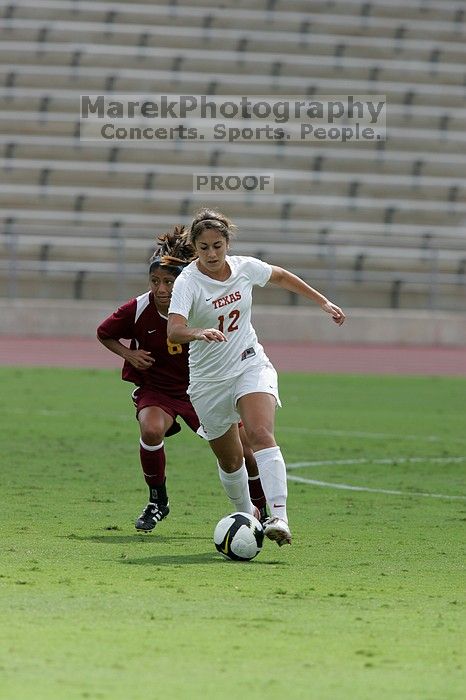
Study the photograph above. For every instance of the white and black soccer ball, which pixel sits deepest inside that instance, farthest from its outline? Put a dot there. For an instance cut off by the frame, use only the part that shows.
(239, 536)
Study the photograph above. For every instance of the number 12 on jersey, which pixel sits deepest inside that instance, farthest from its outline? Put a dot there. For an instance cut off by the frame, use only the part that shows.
(233, 316)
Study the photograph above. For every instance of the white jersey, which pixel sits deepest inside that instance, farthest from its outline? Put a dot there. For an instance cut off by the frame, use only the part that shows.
(209, 303)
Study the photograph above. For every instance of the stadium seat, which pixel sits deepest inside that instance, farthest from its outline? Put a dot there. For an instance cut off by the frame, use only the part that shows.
(386, 216)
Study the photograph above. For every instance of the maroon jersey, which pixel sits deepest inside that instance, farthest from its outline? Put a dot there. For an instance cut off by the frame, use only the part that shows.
(139, 321)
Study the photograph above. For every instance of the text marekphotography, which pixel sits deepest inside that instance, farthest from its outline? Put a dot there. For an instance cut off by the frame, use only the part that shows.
(154, 118)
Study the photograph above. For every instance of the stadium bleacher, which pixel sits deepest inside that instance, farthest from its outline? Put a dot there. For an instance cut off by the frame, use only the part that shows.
(380, 224)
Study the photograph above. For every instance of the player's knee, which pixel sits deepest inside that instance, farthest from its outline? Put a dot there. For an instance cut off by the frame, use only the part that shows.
(260, 437)
(152, 434)
(231, 464)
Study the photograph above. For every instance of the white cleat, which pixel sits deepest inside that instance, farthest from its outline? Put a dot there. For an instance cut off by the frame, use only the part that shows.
(277, 530)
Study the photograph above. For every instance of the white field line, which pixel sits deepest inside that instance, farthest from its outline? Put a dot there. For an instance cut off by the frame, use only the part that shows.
(367, 435)
(390, 492)
(362, 460)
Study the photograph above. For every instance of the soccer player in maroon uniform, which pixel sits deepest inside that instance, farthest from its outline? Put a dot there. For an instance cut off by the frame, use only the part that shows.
(160, 371)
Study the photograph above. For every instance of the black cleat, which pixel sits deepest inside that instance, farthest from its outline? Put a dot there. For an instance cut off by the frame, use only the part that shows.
(152, 514)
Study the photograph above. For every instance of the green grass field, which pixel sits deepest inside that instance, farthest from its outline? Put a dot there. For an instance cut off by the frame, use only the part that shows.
(367, 604)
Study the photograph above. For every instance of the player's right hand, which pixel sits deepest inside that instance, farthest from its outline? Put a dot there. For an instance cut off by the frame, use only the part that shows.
(211, 335)
(140, 359)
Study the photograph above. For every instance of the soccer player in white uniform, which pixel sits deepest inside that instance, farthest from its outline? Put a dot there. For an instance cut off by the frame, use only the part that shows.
(160, 372)
(230, 375)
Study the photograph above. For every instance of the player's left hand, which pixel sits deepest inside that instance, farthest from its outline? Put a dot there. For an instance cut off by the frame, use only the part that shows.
(335, 312)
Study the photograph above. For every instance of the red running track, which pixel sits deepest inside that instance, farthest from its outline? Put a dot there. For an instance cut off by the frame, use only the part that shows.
(287, 357)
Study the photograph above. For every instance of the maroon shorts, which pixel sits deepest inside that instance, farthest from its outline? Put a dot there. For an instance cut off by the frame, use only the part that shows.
(142, 398)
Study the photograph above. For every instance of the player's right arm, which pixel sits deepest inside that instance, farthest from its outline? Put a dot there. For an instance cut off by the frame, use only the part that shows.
(179, 332)
(182, 301)
(139, 359)
(121, 325)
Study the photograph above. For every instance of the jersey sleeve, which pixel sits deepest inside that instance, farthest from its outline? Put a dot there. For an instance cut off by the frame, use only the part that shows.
(258, 271)
(182, 296)
(120, 324)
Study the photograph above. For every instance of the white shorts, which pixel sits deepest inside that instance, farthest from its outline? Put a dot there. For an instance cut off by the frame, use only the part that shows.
(215, 402)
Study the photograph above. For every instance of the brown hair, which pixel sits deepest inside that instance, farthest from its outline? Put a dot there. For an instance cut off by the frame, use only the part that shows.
(210, 219)
(174, 251)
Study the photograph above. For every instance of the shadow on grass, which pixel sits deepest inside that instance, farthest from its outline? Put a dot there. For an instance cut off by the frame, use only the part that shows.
(201, 558)
(210, 557)
(150, 538)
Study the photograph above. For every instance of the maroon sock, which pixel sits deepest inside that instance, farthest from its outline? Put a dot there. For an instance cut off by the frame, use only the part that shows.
(255, 491)
(152, 463)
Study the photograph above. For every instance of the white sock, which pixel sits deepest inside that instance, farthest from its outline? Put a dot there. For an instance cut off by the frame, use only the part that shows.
(272, 472)
(236, 488)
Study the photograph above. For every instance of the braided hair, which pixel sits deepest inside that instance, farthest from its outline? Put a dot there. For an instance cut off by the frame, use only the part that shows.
(174, 251)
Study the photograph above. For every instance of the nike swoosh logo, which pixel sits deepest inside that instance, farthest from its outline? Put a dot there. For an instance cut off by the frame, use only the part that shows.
(209, 299)
(276, 505)
(152, 331)
(225, 546)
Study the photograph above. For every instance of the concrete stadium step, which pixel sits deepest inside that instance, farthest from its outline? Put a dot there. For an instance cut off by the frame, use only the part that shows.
(67, 101)
(232, 40)
(23, 250)
(95, 199)
(92, 80)
(446, 10)
(383, 220)
(78, 280)
(167, 176)
(324, 158)
(243, 18)
(324, 232)
(65, 124)
(201, 60)
(75, 280)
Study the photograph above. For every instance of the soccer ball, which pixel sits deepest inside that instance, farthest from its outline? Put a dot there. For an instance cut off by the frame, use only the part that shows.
(239, 536)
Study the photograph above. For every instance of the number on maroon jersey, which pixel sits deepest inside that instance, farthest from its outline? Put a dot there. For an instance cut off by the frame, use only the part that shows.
(174, 348)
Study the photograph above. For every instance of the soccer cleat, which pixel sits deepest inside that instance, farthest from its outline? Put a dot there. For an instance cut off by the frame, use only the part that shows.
(277, 530)
(151, 515)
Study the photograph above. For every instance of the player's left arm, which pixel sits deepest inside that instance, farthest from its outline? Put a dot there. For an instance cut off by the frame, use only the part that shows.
(287, 280)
